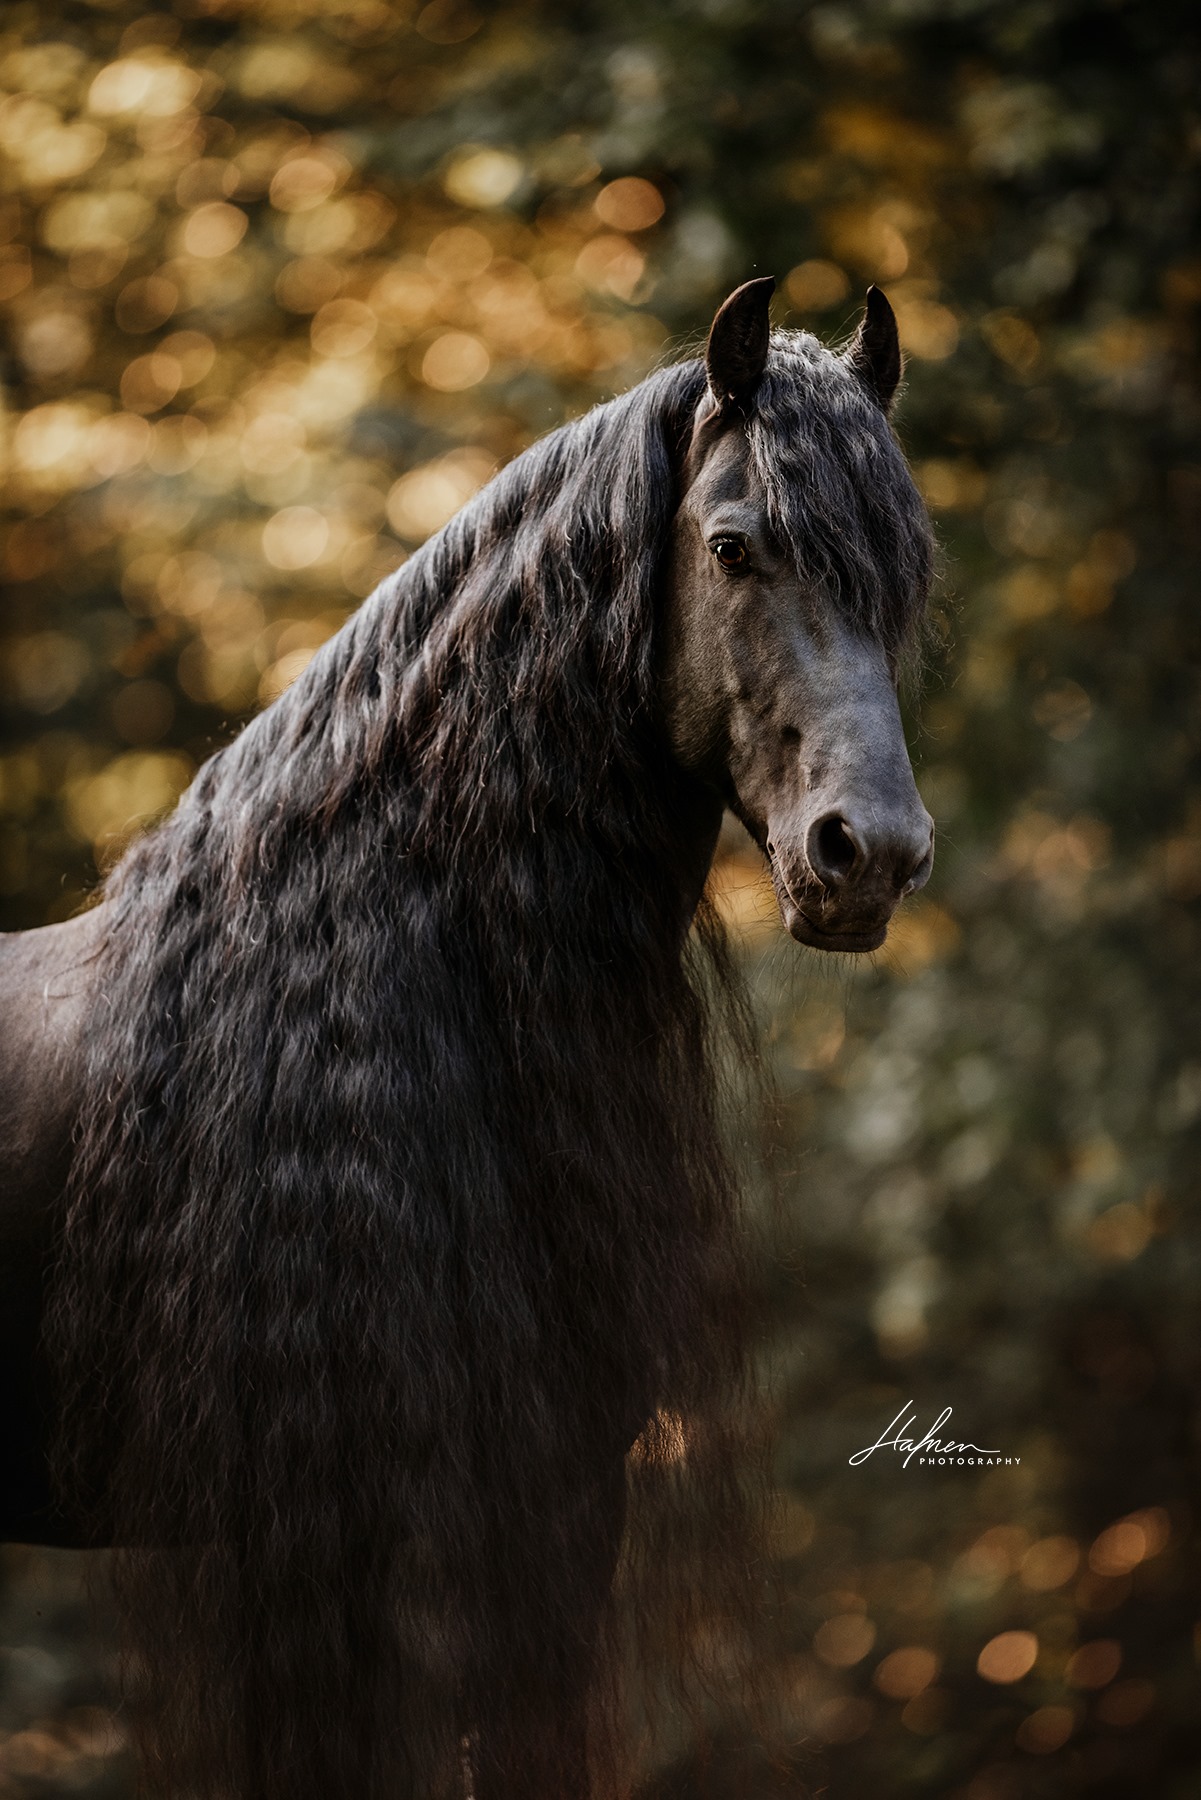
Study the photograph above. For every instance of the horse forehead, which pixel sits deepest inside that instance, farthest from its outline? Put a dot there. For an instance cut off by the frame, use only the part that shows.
(726, 474)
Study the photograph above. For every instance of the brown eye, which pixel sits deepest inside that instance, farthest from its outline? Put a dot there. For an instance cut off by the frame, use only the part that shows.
(731, 553)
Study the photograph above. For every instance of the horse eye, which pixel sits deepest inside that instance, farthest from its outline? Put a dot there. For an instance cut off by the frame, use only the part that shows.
(731, 553)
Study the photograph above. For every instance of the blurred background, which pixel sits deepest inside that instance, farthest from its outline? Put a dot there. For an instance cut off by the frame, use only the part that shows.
(283, 282)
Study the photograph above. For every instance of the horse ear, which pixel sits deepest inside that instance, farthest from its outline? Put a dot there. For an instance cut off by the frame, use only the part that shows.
(874, 352)
(737, 349)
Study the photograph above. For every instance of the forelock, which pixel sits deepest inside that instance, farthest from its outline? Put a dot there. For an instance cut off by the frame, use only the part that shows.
(839, 494)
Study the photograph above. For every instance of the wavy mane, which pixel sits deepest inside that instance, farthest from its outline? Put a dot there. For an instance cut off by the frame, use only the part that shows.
(400, 1210)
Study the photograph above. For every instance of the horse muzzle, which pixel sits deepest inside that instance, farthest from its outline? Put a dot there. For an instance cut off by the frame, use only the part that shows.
(839, 881)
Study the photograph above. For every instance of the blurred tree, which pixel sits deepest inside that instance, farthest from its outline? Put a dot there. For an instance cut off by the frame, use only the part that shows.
(286, 280)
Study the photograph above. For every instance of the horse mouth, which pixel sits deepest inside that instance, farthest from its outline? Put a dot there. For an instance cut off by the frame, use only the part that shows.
(802, 928)
(856, 940)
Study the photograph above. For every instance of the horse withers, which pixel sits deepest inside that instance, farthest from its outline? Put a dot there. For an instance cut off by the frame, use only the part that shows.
(370, 1258)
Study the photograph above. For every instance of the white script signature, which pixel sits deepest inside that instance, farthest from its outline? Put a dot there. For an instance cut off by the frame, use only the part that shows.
(929, 1448)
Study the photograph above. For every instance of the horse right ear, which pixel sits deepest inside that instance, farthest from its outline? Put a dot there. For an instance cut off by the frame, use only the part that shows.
(875, 350)
(736, 353)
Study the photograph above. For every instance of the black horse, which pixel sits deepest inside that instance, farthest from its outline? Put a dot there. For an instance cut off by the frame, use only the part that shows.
(370, 1259)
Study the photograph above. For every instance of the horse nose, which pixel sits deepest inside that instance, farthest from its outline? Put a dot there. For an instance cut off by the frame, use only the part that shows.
(842, 848)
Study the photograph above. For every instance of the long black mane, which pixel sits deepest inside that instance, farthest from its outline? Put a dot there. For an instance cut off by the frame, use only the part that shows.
(400, 1208)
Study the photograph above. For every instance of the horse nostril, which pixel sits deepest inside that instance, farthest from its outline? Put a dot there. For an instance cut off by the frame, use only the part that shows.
(833, 850)
(919, 870)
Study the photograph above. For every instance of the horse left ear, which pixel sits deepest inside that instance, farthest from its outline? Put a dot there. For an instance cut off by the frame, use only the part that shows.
(737, 349)
(874, 352)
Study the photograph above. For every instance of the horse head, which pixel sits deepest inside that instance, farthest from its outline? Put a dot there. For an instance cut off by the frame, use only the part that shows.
(799, 561)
